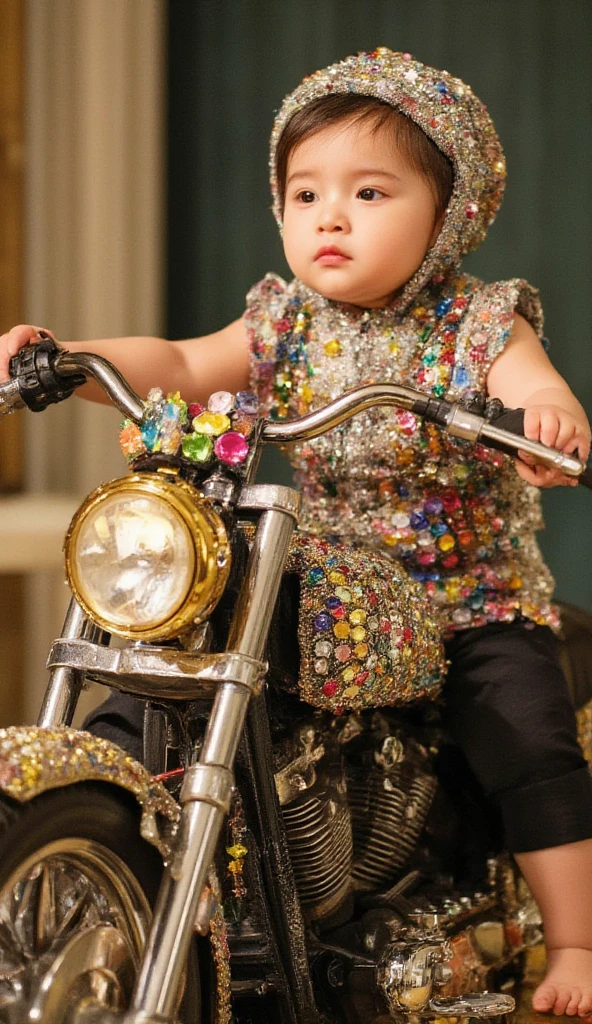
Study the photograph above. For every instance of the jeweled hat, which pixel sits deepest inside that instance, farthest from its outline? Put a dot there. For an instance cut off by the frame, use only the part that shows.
(448, 112)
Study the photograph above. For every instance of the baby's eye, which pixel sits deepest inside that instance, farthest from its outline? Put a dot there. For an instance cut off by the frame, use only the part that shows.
(306, 196)
(369, 194)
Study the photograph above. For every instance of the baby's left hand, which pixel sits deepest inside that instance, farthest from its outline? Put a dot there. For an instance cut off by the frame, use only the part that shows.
(556, 428)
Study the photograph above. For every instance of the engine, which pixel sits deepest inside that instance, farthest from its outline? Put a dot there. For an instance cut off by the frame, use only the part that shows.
(355, 797)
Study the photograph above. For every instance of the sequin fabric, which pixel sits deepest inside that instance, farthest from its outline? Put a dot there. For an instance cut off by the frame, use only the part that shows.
(448, 111)
(365, 635)
(33, 760)
(454, 515)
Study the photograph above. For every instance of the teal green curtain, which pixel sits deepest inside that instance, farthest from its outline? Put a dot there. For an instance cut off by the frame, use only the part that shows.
(232, 61)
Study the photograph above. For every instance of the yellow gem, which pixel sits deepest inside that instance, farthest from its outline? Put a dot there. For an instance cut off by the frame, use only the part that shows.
(333, 348)
(341, 630)
(337, 577)
(452, 590)
(461, 473)
(212, 423)
(358, 633)
(351, 691)
(237, 851)
(361, 650)
(394, 348)
(306, 392)
(446, 542)
(357, 616)
(515, 583)
(235, 867)
(390, 539)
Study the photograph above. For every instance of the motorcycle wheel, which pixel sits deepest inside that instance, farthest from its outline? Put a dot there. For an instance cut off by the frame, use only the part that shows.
(76, 887)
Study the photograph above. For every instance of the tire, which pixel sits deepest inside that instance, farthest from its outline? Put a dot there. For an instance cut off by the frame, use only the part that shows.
(77, 883)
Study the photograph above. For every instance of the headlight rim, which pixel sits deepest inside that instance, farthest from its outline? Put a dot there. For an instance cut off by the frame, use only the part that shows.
(210, 548)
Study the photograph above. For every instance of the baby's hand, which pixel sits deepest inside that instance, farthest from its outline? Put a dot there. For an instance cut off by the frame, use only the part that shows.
(14, 340)
(556, 428)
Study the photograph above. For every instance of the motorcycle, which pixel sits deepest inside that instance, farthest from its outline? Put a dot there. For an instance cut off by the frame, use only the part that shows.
(259, 859)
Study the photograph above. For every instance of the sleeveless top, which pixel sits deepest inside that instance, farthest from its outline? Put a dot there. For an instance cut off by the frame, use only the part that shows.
(455, 515)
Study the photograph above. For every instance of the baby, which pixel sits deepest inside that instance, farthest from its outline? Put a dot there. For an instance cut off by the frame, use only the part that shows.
(385, 172)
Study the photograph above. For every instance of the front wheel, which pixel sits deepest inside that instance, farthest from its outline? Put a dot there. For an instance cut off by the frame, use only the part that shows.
(76, 886)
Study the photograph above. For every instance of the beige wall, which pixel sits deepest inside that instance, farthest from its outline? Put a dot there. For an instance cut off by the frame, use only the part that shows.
(94, 223)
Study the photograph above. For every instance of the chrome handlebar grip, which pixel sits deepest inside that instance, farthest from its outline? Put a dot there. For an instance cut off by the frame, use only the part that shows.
(109, 378)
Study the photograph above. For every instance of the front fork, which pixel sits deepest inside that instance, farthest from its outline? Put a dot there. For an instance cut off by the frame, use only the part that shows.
(208, 785)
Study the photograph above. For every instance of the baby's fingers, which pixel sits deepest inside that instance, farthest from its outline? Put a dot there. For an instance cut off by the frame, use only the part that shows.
(13, 341)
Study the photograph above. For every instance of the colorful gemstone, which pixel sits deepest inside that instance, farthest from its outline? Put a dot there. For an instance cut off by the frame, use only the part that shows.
(322, 622)
(197, 447)
(212, 423)
(221, 402)
(231, 448)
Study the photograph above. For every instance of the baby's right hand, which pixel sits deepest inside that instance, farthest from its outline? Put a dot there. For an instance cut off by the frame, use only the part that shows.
(13, 340)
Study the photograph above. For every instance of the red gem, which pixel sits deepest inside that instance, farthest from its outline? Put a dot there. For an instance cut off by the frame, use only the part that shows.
(407, 634)
(338, 613)
(385, 626)
(450, 561)
(372, 598)
(451, 501)
(361, 678)
(330, 687)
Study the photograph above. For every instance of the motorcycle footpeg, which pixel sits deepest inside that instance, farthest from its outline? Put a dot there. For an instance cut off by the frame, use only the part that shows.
(481, 1005)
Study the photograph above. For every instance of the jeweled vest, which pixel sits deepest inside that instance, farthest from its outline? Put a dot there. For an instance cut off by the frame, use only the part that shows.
(455, 515)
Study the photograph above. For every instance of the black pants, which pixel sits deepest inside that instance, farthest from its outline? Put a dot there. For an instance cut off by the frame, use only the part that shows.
(508, 707)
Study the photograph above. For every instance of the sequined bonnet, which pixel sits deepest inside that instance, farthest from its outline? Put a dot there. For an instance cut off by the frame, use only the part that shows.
(448, 112)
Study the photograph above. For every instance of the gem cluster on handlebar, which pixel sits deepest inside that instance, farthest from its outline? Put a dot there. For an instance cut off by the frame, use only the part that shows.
(206, 437)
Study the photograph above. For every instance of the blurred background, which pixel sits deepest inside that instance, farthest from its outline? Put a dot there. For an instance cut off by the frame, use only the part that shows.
(134, 200)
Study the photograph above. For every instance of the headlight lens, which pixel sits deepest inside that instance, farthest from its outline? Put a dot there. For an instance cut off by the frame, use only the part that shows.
(146, 556)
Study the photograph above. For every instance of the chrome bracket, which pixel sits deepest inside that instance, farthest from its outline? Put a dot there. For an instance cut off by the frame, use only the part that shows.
(209, 784)
(158, 672)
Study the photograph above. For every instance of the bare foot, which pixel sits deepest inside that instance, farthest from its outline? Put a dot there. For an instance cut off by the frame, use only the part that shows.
(567, 987)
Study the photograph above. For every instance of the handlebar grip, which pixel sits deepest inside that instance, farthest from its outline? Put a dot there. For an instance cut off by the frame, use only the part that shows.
(39, 383)
(512, 420)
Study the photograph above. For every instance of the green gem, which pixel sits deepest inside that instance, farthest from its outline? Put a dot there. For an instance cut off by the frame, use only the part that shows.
(197, 447)
(424, 335)
(439, 391)
(430, 358)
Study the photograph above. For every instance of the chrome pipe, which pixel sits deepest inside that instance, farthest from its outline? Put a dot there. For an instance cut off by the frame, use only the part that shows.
(65, 684)
(343, 408)
(110, 379)
(202, 817)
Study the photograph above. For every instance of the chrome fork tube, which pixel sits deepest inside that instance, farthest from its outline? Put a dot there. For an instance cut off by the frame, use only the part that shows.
(65, 684)
(208, 785)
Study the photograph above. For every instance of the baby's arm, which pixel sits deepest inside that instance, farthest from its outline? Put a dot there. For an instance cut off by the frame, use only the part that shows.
(523, 377)
(196, 366)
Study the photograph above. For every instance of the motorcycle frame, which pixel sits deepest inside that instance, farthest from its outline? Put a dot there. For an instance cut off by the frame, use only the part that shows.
(209, 782)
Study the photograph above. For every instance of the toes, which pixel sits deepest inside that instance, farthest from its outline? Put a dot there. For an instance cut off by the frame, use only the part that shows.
(585, 1002)
(574, 1002)
(563, 998)
(544, 998)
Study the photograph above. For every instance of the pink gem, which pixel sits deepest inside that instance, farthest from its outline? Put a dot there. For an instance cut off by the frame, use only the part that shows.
(231, 448)
(221, 402)
(343, 652)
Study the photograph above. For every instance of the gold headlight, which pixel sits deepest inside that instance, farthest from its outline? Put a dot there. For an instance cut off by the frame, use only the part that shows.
(146, 556)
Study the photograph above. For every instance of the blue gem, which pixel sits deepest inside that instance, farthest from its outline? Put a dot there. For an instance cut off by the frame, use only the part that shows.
(460, 376)
(322, 621)
(248, 402)
(442, 307)
(433, 506)
(438, 529)
(333, 602)
(403, 491)
(315, 575)
(418, 521)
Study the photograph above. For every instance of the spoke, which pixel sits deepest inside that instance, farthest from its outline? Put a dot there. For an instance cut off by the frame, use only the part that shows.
(46, 909)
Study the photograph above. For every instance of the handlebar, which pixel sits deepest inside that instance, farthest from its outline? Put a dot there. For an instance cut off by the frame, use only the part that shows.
(43, 373)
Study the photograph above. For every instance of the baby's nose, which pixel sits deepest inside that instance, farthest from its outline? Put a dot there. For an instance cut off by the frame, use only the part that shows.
(332, 218)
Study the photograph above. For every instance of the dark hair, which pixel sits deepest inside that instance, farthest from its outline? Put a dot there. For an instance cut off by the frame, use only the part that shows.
(415, 146)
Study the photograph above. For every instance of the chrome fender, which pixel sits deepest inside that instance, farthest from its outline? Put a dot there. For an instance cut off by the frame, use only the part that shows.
(34, 760)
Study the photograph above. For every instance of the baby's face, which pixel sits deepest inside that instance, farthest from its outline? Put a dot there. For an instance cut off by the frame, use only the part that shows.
(358, 220)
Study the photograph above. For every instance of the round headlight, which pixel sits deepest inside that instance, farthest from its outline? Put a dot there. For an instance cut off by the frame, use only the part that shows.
(146, 556)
